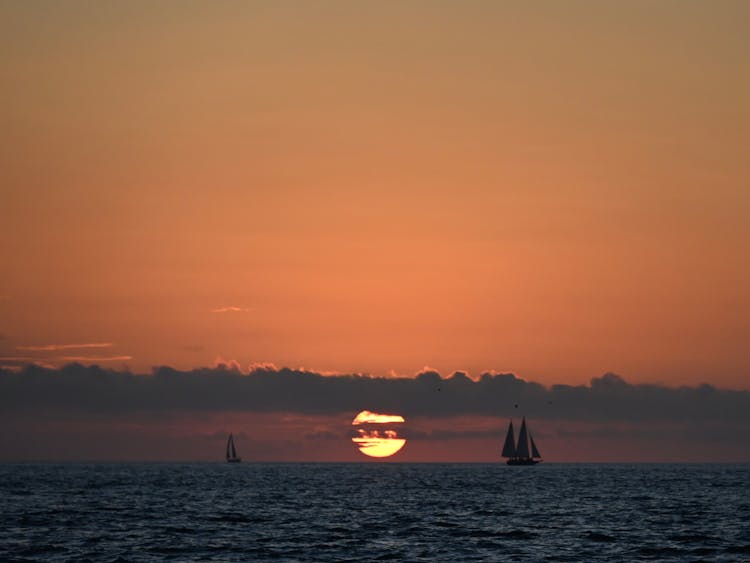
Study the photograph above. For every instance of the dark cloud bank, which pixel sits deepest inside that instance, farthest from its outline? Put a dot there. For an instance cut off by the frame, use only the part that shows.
(97, 391)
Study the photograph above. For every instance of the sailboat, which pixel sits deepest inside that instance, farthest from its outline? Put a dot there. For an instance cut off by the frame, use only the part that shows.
(232, 456)
(518, 454)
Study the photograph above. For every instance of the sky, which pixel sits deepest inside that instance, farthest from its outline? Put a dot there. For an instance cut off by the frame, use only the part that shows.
(558, 190)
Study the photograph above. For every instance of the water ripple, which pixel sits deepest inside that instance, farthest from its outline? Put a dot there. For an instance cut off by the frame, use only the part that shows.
(375, 512)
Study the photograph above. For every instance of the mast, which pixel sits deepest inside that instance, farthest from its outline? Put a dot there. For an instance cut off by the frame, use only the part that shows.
(523, 441)
(234, 452)
(534, 451)
(229, 443)
(509, 448)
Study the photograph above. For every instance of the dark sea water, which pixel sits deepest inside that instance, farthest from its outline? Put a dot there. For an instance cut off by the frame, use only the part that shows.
(372, 512)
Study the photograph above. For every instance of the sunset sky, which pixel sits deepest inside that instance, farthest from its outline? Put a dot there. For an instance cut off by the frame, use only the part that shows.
(554, 189)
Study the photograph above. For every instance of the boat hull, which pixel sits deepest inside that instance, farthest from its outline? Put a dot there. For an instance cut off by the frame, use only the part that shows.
(523, 461)
(234, 460)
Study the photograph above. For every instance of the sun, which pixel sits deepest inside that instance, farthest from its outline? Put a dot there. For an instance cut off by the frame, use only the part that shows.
(375, 435)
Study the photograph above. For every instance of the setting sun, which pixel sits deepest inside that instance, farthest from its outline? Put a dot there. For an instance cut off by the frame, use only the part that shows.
(377, 441)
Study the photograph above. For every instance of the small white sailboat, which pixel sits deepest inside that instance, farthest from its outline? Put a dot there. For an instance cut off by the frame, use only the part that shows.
(232, 456)
(518, 453)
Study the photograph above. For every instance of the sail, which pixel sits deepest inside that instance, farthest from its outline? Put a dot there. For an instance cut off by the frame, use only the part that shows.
(231, 453)
(523, 441)
(509, 448)
(534, 451)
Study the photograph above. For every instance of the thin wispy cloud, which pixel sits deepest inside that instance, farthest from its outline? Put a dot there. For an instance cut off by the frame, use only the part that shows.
(16, 363)
(231, 309)
(85, 359)
(58, 347)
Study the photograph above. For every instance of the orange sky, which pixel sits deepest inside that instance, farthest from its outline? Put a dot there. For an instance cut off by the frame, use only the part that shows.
(556, 189)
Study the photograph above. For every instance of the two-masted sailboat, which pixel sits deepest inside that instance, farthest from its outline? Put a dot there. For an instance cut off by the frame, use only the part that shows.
(518, 453)
(232, 456)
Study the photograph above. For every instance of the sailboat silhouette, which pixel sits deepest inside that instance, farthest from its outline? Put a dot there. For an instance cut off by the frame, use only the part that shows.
(232, 456)
(518, 454)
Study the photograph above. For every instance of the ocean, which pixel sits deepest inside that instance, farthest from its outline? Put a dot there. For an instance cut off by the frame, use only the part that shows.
(374, 512)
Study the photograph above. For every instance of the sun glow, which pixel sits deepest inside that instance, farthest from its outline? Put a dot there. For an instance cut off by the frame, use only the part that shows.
(377, 441)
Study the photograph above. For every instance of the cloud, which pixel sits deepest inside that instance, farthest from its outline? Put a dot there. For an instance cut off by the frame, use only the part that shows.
(91, 359)
(58, 347)
(223, 364)
(266, 389)
(53, 362)
(15, 363)
(231, 309)
(93, 412)
(263, 366)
